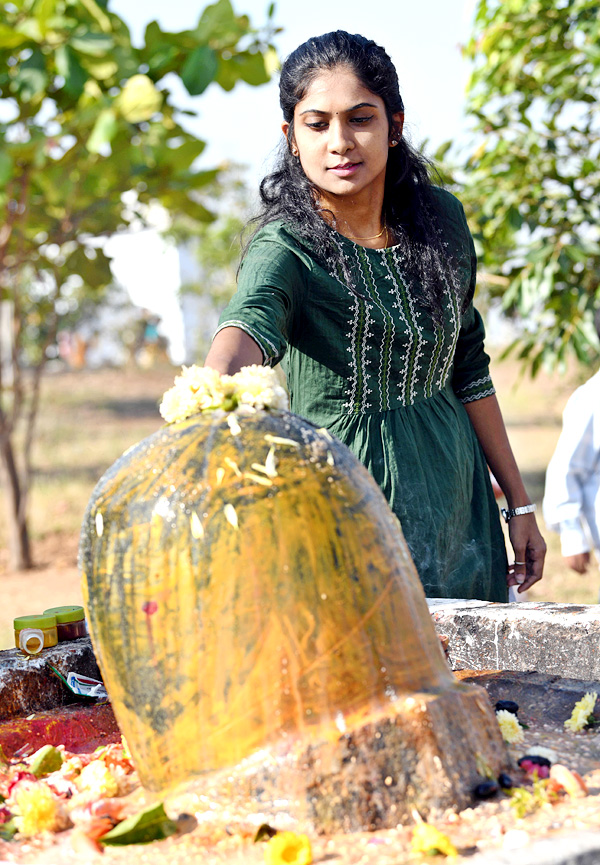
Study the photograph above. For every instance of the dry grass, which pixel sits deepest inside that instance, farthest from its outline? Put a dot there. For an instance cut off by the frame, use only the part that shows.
(88, 419)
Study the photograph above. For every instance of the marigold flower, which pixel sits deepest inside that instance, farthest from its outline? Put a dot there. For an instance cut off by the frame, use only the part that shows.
(96, 778)
(429, 840)
(35, 808)
(288, 848)
(510, 728)
(582, 710)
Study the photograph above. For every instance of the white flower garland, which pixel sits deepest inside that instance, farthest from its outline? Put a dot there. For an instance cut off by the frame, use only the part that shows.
(200, 389)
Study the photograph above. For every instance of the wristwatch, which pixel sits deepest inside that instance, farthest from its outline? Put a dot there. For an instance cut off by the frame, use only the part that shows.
(509, 513)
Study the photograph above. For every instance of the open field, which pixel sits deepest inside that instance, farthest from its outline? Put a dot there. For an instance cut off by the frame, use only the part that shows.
(88, 419)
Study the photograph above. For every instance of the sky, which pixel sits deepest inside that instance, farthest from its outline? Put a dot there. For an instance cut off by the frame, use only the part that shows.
(423, 38)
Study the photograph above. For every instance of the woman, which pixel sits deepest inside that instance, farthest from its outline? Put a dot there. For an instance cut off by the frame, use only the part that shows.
(361, 278)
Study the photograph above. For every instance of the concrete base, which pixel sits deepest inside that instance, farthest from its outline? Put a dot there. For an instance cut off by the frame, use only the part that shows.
(557, 639)
(581, 848)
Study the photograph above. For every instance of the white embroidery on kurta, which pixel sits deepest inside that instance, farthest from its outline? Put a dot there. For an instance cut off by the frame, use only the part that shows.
(472, 384)
(414, 315)
(397, 304)
(454, 309)
(477, 396)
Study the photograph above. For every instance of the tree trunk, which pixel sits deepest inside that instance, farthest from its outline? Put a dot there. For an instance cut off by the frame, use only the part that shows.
(18, 535)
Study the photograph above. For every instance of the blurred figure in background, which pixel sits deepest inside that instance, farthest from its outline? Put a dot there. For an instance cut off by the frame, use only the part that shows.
(572, 495)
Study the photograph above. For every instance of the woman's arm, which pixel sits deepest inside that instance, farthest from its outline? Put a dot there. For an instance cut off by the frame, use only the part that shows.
(232, 349)
(528, 545)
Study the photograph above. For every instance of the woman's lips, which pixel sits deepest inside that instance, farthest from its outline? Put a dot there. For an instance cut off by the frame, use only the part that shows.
(345, 169)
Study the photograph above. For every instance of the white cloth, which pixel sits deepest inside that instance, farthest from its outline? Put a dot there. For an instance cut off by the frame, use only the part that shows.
(572, 494)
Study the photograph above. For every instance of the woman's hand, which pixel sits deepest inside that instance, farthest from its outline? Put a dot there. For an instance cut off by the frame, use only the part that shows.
(530, 551)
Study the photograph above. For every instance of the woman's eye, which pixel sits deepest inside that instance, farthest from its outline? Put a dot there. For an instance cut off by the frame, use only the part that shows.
(361, 119)
(318, 124)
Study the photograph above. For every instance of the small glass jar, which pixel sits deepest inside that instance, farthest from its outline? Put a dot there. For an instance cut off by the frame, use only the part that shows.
(34, 633)
(70, 622)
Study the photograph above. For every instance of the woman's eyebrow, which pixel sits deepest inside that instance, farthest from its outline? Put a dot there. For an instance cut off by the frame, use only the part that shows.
(347, 110)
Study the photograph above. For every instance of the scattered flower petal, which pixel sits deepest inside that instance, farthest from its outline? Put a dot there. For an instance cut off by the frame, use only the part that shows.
(288, 848)
(196, 526)
(233, 425)
(429, 840)
(271, 463)
(278, 440)
(231, 515)
(509, 727)
(265, 482)
(232, 465)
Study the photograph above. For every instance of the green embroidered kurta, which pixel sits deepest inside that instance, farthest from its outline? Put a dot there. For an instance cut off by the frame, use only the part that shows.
(378, 374)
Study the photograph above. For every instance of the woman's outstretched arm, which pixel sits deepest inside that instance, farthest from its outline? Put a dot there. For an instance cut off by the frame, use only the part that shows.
(232, 349)
(528, 545)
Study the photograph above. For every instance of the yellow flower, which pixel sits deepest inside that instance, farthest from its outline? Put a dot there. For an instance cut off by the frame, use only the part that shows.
(581, 712)
(511, 730)
(288, 848)
(96, 778)
(429, 840)
(36, 808)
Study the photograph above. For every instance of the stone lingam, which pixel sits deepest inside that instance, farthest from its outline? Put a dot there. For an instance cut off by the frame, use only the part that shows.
(262, 631)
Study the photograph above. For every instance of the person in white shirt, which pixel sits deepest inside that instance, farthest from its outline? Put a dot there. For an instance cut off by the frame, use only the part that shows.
(572, 494)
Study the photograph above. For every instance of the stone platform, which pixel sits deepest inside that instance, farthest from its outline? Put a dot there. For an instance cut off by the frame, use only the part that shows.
(556, 639)
(37, 709)
(27, 684)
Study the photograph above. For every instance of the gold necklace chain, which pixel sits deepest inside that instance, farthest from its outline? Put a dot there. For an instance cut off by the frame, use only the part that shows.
(372, 237)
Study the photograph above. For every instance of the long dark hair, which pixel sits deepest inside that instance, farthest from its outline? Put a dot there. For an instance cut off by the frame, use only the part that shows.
(408, 207)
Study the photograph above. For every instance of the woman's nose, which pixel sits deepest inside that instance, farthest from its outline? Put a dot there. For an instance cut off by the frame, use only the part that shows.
(340, 139)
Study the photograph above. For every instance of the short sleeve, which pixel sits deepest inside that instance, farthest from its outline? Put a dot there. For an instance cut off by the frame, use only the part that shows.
(471, 378)
(269, 291)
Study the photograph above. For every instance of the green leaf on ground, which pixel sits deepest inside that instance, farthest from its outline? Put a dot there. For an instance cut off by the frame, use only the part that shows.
(152, 824)
(47, 759)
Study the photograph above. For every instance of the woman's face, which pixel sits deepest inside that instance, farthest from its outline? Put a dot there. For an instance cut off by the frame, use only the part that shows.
(342, 135)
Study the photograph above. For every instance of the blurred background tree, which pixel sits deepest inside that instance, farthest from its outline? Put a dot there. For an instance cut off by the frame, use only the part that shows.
(215, 249)
(90, 143)
(531, 183)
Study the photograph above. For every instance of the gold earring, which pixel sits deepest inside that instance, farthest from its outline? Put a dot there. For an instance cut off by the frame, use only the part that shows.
(294, 151)
(393, 142)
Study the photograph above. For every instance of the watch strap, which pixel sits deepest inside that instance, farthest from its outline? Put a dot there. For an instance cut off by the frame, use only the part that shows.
(509, 513)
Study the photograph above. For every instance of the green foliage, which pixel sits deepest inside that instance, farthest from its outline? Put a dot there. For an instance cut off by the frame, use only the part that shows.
(532, 183)
(91, 141)
(93, 125)
(216, 246)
